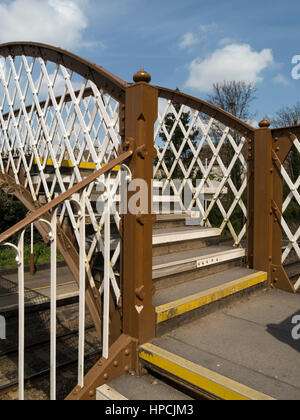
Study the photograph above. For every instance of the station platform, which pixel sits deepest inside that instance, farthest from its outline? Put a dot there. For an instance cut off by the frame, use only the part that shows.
(245, 351)
(37, 288)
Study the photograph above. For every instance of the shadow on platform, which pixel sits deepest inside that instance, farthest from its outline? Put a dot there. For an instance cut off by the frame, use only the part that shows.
(287, 331)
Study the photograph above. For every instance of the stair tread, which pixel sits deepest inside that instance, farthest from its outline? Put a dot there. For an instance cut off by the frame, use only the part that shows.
(183, 229)
(146, 387)
(244, 343)
(179, 257)
(182, 234)
(180, 291)
(172, 217)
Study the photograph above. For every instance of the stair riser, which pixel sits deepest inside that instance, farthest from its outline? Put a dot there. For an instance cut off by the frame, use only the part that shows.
(188, 245)
(203, 311)
(169, 224)
(187, 272)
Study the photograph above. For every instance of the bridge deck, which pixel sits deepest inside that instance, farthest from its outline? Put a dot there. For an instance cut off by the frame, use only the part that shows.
(250, 343)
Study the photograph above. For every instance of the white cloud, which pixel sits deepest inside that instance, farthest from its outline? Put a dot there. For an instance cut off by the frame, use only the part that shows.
(281, 79)
(56, 22)
(233, 62)
(188, 40)
(211, 27)
(226, 41)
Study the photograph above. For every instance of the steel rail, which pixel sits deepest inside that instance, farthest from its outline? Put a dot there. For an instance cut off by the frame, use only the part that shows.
(102, 78)
(222, 116)
(31, 218)
(5, 388)
(43, 342)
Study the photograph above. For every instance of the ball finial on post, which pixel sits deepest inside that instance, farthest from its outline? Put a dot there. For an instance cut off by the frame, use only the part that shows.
(264, 123)
(142, 76)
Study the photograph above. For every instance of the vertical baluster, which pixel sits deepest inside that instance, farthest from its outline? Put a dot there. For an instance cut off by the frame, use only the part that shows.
(31, 251)
(82, 257)
(53, 238)
(106, 276)
(21, 282)
(19, 250)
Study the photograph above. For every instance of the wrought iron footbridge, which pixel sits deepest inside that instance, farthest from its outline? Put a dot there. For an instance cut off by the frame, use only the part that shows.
(69, 132)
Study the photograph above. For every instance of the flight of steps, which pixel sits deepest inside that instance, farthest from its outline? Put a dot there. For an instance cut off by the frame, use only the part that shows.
(194, 273)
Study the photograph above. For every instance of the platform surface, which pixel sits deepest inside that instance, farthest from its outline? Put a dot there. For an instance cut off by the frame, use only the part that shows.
(37, 288)
(250, 343)
(147, 388)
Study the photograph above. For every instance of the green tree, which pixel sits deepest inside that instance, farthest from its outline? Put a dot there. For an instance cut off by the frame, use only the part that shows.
(285, 117)
(288, 116)
(234, 97)
(178, 138)
(11, 211)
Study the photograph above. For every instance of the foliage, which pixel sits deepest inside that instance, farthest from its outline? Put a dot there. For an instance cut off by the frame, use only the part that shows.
(11, 211)
(41, 253)
(178, 138)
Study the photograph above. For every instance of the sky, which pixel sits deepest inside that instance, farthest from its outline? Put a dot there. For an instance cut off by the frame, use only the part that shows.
(188, 44)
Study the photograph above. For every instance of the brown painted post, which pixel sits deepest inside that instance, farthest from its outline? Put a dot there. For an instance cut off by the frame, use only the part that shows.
(279, 278)
(141, 111)
(262, 198)
(265, 207)
(250, 202)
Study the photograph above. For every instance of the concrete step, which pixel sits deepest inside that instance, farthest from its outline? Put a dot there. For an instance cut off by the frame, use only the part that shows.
(168, 241)
(245, 351)
(169, 221)
(184, 266)
(195, 375)
(174, 240)
(194, 299)
(143, 388)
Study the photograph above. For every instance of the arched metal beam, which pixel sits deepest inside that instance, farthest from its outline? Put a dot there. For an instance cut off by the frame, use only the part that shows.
(101, 77)
(219, 114)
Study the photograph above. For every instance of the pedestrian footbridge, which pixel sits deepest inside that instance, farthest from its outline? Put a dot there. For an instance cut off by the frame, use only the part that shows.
(178, 225)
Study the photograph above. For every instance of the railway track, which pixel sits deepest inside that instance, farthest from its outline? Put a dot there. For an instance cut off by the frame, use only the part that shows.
(37, 366)
(293, 270)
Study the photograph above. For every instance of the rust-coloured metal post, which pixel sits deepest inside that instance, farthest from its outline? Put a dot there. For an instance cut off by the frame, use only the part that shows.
(265, 208)
(250, 201)
(138, 311)
(280, 280)
(262, 199)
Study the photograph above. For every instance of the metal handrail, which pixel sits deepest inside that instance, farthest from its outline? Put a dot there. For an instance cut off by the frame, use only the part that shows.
(101, 77)
(31, 218)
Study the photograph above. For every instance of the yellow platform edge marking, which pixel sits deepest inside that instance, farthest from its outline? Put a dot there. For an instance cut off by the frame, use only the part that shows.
(198, 300)
(198, 376)
(69, 164)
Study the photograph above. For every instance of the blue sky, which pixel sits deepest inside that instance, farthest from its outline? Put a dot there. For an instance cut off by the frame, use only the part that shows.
(186, 44)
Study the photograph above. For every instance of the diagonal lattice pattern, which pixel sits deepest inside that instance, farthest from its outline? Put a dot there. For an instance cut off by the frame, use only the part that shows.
(56, 127)
(291, 206)
(205, 160)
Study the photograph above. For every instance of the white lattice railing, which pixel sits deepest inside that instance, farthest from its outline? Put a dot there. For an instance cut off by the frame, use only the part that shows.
(205, 160)
(57, 127)
(41, 131)
(109, 284)
(290, 221)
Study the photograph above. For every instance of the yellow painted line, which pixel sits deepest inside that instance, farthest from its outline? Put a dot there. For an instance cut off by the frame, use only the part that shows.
(190, 303)
(69, 164)
(217, 385)
(39, 288)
